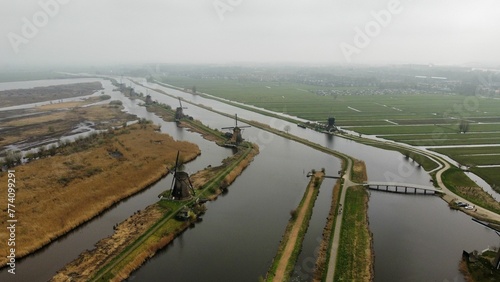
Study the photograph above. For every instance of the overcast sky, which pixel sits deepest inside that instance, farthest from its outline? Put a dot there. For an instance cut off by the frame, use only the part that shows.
(247, 31)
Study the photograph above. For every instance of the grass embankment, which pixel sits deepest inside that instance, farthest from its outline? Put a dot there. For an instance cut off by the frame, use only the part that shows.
(463, 186)
(167, 114)
(355, 258)
(355, 253)
(476, 156)
(58, 193)
(321, 265)
(422, 160)
(161, 231)
(291, 243)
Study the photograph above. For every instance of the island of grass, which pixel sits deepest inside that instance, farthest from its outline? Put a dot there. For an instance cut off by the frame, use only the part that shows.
(77, 181)
(355, 254)
(282, 267)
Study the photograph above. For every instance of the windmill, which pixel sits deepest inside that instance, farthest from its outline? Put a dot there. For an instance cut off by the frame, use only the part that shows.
(181, 187)
(331, 122)
(235, 138)
(178, 111)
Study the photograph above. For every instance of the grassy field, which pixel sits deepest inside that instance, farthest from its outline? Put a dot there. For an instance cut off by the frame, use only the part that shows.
(461, 185)
(417, 119)
(473, 155)
(360, 110)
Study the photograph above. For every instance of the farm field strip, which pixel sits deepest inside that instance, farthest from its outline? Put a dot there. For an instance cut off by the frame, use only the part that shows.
(489, 174)
(473, 156)
(422, 129)
(469, 150)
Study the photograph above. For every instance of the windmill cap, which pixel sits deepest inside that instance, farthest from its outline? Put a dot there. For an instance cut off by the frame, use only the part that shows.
(181, 175)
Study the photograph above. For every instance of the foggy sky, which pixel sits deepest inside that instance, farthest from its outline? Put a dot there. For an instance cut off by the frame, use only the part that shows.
(245, 31)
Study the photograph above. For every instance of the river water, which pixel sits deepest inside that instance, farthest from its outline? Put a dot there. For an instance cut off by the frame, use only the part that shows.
(416, 238)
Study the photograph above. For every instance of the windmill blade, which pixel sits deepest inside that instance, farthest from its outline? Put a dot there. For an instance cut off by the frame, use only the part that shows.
(177, 161)
(172, 185)
(191, 185)
(236, 119)
(173, 174)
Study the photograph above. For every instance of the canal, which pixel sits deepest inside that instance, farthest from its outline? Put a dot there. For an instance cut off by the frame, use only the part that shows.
(416, 238)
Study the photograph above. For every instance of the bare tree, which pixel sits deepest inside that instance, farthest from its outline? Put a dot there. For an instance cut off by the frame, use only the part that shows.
(286, 128)
(463, 126)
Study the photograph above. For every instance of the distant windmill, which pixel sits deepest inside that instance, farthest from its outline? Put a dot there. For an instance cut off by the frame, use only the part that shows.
(331, 122)
(178, 112)
(235, 137)
(181, 187)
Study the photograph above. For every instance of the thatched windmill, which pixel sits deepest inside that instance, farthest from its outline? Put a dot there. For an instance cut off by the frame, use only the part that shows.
(181, 187)
(178, 111)
(235, 138)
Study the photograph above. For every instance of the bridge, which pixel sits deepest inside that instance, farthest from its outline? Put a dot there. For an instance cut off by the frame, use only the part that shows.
(404, 188)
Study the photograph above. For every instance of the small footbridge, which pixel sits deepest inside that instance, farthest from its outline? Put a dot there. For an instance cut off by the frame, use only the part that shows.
(403, 188)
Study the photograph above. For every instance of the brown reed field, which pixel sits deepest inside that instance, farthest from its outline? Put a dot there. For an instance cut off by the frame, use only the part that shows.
(56, 194)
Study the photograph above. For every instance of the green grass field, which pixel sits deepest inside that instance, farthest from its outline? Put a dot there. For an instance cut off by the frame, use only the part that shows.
(415, 119)
(355, 239)
(473, 155)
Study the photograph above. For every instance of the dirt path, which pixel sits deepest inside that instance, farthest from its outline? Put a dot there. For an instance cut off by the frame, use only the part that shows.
(292, 239)
(338, 226)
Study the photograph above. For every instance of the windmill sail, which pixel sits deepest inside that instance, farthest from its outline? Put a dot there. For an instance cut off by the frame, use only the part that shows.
(236, 137)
